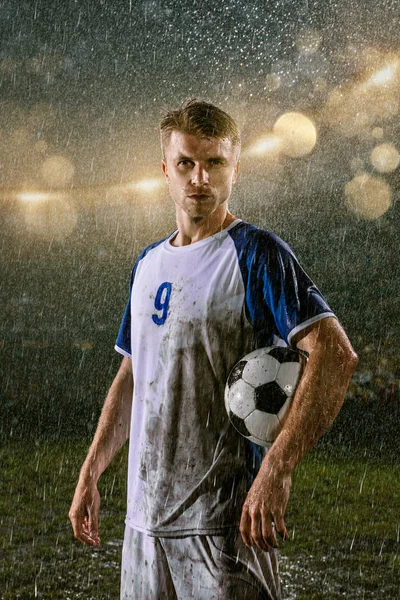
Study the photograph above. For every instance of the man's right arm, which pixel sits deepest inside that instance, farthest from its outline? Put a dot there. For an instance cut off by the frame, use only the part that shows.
(111, 434)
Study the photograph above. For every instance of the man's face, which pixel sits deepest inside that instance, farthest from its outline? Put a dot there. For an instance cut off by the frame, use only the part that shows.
(200, 173)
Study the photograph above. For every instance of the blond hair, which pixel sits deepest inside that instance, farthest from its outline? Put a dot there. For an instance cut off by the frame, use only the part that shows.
(201, 119)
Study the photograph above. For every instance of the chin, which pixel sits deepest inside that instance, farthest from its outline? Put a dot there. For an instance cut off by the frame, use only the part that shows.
(199, 211)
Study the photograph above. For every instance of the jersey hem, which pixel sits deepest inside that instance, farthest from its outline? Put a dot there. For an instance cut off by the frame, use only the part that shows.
(122, 351)
(181, 532)
(309, 322)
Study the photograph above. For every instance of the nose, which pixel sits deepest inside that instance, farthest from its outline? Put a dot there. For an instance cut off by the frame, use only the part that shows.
(199, 175)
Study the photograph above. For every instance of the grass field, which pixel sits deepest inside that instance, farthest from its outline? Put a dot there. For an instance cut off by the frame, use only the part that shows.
(343, 517)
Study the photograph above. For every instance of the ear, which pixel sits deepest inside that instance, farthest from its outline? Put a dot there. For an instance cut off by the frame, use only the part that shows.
(235, 171)
(164, 169)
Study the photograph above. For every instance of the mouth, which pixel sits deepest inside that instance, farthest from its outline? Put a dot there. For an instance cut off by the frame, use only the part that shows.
(199, 197)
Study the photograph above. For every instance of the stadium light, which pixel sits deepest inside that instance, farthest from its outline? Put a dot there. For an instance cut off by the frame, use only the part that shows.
(268, 144)
(148, 185)
(383, 77)
(34, 196)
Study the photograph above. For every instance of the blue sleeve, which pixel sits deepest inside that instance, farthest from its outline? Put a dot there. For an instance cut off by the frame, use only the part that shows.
(280, 298)
(123, 342)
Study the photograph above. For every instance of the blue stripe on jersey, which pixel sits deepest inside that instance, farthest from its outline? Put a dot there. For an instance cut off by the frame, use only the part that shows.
(124, 334)
(279, 295)
(254, 458)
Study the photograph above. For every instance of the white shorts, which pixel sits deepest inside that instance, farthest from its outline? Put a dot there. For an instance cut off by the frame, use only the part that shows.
(199, 567)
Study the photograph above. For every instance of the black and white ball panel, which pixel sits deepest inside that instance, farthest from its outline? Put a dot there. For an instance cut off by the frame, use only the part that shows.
(239, 424)
(260, 389)
(236, 372)
(269, 397)
(288, 376)
(240, 399)
(263, 426)
(258, 370)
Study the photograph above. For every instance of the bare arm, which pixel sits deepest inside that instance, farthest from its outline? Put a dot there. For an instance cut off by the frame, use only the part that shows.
(112, 432)
(318, 399)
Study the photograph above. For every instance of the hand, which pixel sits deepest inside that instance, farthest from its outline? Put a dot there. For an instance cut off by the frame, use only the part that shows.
(264, 506)
(84, 513)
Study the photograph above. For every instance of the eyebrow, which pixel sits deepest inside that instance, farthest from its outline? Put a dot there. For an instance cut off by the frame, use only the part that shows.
(211, 158)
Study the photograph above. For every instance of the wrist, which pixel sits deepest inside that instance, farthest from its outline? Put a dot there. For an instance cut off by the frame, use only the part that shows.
(89, 474)
(281, 458)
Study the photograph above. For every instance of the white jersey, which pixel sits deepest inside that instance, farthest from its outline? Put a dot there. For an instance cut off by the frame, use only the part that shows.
(193, 312)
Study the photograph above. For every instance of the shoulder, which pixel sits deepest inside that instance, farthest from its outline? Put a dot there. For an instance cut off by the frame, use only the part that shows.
(253, 242)
(150, 247)
(146, 252)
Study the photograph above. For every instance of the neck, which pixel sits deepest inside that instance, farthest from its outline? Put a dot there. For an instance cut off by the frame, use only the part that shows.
(194, 229)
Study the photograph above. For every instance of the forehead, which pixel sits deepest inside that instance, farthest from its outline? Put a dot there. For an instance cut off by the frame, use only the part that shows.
(184, 144)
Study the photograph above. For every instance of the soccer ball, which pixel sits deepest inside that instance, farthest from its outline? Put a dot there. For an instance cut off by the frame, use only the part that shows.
(260, 389)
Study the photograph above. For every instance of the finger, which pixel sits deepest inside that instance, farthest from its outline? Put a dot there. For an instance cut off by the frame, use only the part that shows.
(93, 524)
(77, 522)
(88, 539)
(280, 527)
(85, 525)
(245, 524)
(81, 533)
(268, 532)
(256, 530)
(81, 529)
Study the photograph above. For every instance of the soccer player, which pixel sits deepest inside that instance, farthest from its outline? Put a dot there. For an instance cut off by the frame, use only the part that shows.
(204, 504)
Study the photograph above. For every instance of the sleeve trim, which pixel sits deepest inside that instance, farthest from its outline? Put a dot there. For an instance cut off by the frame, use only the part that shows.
(309, 322)
(122, 351)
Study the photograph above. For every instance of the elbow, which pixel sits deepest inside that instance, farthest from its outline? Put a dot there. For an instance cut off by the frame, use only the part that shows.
(349, 360)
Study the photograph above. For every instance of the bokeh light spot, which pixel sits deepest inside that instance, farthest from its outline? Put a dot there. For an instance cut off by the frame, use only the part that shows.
(297, 133)
(57, 171)
(272, 82)
(40, 147)
(377, 133)
(385, 158)
(308, 41)
(368, 197)
(49, 216)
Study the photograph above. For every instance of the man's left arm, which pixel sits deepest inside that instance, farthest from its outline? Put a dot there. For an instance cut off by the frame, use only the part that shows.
(318, 399)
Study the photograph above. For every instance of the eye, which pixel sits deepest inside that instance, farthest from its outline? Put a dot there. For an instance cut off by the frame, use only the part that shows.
(185, 162)
(215, 161)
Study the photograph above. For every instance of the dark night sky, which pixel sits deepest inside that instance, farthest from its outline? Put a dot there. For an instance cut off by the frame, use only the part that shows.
(82, 89)
(91, 79)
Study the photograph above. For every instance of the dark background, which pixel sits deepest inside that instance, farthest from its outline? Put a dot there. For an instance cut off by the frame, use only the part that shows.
(88, 82)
